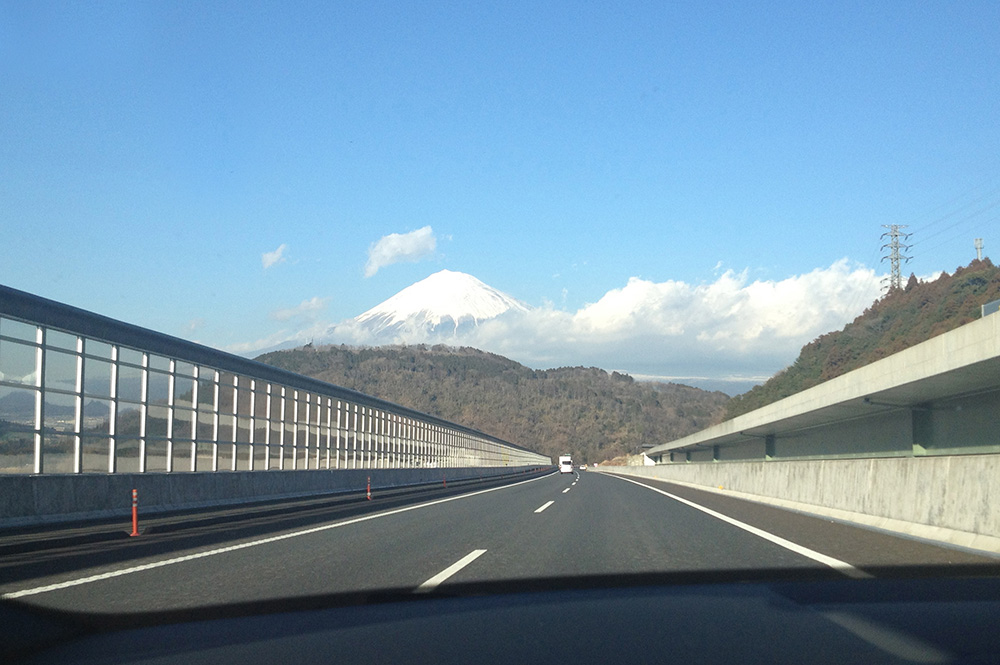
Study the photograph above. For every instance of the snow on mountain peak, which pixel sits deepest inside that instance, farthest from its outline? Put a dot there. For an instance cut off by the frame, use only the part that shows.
(440, 303)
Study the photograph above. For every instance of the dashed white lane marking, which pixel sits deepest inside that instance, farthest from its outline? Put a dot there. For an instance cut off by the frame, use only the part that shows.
(544, 506)
(430, 584)
(252, 543)
(836, 564)
(566, 490)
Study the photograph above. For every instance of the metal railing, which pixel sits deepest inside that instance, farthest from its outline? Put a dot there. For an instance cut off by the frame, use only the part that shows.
(81, 393)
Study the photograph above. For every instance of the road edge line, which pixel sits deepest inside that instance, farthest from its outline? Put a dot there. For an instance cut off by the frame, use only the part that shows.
(838, 565)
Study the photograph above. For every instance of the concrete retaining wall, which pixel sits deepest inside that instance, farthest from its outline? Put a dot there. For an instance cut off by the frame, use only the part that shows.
(37, 499)
(951, 499)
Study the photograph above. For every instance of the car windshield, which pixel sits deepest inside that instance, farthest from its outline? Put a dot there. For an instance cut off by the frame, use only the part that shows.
(309, 300)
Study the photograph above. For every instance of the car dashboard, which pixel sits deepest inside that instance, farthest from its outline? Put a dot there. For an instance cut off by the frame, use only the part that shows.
(921, 616)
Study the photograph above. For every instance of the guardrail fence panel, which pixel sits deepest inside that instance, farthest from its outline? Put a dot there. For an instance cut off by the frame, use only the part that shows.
(80, 393)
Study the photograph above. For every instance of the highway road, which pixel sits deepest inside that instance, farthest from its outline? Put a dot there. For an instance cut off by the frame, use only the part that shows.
(558, 525)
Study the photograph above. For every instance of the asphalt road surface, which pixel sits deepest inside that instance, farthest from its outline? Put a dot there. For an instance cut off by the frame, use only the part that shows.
(558, 525)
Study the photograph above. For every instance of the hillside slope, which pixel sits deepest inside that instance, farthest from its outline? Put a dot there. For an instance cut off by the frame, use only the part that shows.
(899, 320)
(584, 411)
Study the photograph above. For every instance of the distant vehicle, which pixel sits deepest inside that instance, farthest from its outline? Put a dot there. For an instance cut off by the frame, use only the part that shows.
(583, 467)
(565, 464)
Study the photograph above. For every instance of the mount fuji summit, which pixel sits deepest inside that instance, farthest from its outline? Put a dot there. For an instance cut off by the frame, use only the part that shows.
(438, 308)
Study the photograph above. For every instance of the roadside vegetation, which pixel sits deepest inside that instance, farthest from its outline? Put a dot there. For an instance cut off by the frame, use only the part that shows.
(586, 412)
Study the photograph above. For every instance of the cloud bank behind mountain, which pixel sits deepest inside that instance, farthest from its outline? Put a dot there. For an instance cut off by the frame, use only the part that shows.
(726, 334)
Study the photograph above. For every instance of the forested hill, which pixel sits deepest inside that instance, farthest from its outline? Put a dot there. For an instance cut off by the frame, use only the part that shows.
(584, 411)
(902, 318)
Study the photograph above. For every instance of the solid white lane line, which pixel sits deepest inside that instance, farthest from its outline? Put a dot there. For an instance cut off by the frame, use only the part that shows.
(544, 506)
(566, 490)
(252, 543)
(836, 564)
(430, 584)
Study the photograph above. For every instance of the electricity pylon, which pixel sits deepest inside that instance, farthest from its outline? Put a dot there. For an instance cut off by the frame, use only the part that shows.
(895, 256)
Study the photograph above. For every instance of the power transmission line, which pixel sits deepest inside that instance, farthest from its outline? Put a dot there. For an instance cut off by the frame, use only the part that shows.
(972, 216)
(949, 209)
(858, 294)
(955, 218)
(955, 236)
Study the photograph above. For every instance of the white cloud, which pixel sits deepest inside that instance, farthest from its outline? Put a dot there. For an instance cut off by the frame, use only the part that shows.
(728, 328)
(269, 259)
(282, 339)
(306, 309)
(400, 247)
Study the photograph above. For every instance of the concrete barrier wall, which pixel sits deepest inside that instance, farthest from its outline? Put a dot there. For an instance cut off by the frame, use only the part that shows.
(38, 499)
(951, 499)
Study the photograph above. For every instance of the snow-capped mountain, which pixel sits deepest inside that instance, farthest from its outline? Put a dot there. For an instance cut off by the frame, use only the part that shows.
(439, 307)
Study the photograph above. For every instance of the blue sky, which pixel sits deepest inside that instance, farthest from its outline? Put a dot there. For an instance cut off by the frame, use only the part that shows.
(153, 155)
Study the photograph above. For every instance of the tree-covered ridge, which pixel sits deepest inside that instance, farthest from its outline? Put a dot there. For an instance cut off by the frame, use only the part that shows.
(586, 412)
(902, 318)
